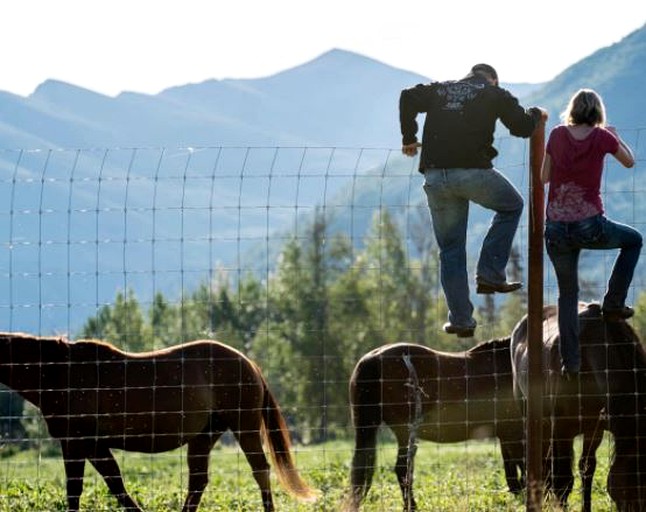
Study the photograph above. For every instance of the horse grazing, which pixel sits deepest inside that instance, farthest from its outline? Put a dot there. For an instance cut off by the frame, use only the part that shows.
(95, 397)
(609, 394)
(437, 396)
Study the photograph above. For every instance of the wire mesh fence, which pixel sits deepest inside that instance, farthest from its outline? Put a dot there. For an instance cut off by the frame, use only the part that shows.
(302, 260)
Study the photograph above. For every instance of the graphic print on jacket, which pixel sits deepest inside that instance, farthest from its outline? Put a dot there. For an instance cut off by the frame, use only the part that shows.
(456, 94)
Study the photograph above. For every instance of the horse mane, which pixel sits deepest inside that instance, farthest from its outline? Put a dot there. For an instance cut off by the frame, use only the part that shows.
(31, 337)
(50, 348)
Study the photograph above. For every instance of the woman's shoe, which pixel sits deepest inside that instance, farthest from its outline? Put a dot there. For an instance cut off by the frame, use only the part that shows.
(616, 314)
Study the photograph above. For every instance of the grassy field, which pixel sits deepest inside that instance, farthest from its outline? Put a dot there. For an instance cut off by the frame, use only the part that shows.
(460, 477)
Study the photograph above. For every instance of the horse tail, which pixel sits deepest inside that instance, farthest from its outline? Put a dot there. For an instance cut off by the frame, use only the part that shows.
(366, 409)
(277, 439)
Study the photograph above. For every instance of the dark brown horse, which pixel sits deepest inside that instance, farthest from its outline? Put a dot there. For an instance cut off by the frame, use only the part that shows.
(609, 394)
(95, 397)
(420, 393)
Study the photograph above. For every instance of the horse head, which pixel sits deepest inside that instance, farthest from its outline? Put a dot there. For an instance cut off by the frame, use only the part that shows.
(620, 355)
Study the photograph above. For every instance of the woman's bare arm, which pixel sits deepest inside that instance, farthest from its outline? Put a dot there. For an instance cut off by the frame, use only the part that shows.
(624, 154)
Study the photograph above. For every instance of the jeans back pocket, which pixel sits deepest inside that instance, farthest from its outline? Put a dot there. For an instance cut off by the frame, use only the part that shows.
(589, 232)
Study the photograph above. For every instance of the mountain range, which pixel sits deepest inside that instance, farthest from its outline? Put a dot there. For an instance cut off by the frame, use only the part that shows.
(150, 192)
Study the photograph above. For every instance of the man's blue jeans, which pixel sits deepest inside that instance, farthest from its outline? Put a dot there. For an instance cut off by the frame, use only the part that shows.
(564, 241)
(449, 192)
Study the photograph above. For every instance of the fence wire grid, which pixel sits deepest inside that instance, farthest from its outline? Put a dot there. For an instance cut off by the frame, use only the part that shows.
(303, 260)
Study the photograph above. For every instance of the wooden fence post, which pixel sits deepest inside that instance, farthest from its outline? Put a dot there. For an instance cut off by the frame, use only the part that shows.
(535, 322)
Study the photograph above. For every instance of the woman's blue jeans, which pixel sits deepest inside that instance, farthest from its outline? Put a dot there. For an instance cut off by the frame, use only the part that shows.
(564, 241)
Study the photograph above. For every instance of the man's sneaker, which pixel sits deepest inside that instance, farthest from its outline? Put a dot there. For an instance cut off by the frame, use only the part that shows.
(458, 330)
(486, 287)
(616, 314)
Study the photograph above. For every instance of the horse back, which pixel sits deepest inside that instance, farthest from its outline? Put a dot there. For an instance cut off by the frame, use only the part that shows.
(195, 364)
(165, 396)
(473, 386)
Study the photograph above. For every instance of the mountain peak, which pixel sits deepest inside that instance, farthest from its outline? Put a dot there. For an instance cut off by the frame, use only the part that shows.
(52, 89)
(341, 54)
(346, 58)
(346, 67)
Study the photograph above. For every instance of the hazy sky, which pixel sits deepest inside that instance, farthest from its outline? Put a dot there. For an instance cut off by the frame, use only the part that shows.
(148, 45)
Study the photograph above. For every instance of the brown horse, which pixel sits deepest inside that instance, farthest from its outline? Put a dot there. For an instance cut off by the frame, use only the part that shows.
(609, 394)
(437, 396)
(95, 397)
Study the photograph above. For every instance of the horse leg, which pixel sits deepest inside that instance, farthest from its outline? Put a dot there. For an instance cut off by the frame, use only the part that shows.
(513, 462)
(251, 444)
(74, 461)
(199, 449)
(105, 463)
(588, 465)
(404, 472)
(562, 475)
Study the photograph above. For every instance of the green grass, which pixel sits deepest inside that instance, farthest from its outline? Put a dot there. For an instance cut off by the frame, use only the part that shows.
(460, 477)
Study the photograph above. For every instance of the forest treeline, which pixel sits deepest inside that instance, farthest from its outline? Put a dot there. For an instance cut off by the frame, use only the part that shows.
(325, 304)
(308, 321)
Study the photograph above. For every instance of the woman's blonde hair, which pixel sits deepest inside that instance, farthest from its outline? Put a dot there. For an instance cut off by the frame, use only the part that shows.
(585, 107)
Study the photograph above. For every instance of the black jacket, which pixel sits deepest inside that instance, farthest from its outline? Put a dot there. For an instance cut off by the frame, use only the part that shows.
(460, 121)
